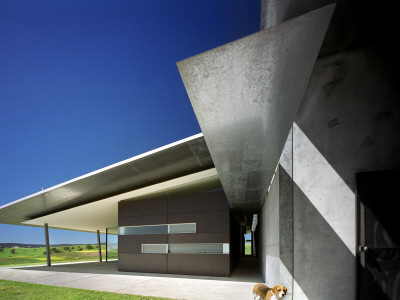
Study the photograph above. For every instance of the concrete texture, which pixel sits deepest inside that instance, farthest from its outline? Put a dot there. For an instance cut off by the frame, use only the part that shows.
(245, 95)
(351, 112)
(286, 216)
(348, 122)
(323, 265)
(354, 23)
(269, 235)
(276, 255)
(106, 277)
(325, 189)
(275, 12)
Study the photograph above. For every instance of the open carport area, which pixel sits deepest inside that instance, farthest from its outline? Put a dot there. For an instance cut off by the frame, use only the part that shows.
(106, 277)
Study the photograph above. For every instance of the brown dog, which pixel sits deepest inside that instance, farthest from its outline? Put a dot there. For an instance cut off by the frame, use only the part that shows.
(266, 293)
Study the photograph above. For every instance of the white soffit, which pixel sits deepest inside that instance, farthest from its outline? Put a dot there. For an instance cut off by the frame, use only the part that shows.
(103, 214)
(184, 157)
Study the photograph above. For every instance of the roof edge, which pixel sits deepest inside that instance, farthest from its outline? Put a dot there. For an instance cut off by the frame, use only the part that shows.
(159, 149)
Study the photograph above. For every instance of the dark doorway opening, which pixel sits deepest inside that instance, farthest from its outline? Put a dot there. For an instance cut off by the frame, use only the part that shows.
(378, 235)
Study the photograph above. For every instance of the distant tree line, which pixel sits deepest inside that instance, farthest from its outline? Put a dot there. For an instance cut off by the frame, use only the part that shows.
(56, 250)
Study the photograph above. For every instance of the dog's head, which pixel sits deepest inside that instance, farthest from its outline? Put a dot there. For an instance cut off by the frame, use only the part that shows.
(279, 290)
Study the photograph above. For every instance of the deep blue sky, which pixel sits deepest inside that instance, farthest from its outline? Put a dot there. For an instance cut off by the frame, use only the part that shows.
(88, 83)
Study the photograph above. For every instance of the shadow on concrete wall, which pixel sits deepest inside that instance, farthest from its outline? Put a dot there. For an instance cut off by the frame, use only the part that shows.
(351, 111)
(319, 255)
(322, 265)
(350, 114)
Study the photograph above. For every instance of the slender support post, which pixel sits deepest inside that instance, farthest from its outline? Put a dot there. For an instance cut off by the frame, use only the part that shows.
(106, 244)
(46, 233)
(99, 245)
(253, 230)
(242, 242)
(253, 244)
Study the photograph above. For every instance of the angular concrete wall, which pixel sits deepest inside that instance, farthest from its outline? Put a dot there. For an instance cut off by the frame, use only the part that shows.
(349, 121)
(286, 216)
(276, 225)
(269, 235)
(308, 226)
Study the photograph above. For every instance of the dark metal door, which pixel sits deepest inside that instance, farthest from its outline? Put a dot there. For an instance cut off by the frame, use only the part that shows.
(379, 235)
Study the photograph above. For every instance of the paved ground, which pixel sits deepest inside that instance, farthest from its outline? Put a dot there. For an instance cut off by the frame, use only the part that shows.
(105, 277)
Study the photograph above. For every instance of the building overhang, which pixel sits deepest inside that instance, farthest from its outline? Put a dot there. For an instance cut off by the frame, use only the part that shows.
(87, 203)
(245, 95)
(103, 214)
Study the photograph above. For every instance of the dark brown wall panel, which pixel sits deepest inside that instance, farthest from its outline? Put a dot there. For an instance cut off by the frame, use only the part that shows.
(210, 212)
(152, 263)
(198, 202)
(145, 207)
(199, 264)
(143, 220)
(208, 221)
(133, 243)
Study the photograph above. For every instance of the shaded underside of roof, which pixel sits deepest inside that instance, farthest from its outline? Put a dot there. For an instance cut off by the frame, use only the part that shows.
(175, 160)
(103, 214)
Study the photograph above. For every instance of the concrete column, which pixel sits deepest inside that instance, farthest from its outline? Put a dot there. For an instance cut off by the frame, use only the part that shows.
(46, 233)
(99, 245)
(106, 244)
(253, 244)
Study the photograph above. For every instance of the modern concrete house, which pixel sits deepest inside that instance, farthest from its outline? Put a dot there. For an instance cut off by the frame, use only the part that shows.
(300, 142)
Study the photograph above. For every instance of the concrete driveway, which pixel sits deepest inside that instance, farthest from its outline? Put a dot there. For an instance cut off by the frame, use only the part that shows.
(105, 277)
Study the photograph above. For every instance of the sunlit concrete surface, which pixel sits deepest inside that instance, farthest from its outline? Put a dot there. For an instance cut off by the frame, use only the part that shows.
(245, 95)
(106, 277)
(328, 192)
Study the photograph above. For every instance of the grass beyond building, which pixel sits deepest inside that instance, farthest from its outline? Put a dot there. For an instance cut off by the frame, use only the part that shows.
(17, 256)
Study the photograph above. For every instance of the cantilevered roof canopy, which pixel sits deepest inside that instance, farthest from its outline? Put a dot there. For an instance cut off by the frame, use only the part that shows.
(137, 176)
(245, 95)
(103, 214)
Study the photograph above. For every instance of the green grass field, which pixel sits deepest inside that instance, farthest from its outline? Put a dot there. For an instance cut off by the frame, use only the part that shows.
(34, 256)
(247, 249)
(22, 290)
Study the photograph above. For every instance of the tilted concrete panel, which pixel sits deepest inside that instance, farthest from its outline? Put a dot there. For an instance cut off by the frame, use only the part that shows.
(245, 95)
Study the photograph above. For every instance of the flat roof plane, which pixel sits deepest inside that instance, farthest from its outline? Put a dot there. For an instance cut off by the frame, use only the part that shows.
(178, 159)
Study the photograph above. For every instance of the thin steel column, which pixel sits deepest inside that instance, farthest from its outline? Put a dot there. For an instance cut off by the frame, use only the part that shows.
(46, 233)
(99, 245)
(253, 246)
(106, 244)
